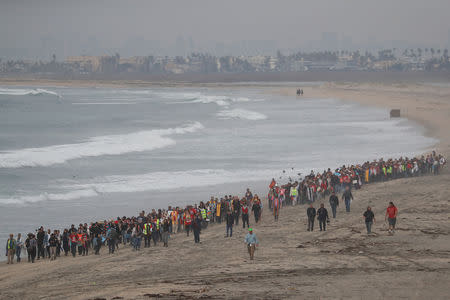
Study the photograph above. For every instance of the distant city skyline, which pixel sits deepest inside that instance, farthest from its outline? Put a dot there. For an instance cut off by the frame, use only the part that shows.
(39, 29)
(185, 45)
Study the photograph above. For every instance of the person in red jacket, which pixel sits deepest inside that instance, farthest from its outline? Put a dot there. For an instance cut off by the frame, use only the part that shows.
(245, 214)
(73, 242)
(187, 222)
(391, 217)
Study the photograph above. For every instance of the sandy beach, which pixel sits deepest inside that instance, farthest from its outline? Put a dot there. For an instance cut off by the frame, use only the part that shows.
(341, 263)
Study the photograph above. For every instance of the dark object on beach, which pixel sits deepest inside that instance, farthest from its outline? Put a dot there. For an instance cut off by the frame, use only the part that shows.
(395, 113)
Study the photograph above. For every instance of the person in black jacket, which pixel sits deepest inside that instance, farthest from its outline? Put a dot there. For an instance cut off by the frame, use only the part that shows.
(322, 216)
(196, 227)
(53, 243)
(65, 242)
(31, 245)
(334, 203)
(369, 218)
(311, 213)
(40, 243)
(230, 222)
(236, 210)
(256, 208)
(347, 197)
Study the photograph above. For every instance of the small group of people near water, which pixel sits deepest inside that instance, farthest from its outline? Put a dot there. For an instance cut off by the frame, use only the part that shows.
(155, 227)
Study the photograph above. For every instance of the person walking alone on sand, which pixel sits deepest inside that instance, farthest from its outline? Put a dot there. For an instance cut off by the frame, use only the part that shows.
(334, 203)
(347, 197)
(322, 216)
(369, 218)
(391, 216)
(311, 213)
(252, 241)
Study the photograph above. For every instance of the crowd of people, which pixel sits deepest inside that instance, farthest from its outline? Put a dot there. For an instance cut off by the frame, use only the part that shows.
(155, 227)
(316, 186)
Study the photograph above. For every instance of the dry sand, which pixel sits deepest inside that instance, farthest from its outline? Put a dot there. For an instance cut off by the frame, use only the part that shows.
(290, 263)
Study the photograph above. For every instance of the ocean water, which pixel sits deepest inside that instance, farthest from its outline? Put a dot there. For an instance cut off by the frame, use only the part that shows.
(71, 155)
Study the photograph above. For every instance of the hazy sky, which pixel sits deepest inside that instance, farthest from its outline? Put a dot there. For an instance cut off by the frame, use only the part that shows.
(138, 26)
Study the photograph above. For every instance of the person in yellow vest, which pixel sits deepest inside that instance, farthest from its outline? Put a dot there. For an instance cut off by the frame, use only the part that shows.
(389, 172)
(294, 193)
(147, 231)
(367, 176)
(204, 222)
(11, 248)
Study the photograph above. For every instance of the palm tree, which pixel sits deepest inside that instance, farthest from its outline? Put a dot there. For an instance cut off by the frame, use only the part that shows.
(432, 52)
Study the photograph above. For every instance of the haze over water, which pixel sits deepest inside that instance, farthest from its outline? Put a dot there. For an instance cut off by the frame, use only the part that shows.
(71, 155)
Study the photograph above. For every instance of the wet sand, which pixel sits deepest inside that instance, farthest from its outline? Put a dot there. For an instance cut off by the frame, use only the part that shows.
(342, 262)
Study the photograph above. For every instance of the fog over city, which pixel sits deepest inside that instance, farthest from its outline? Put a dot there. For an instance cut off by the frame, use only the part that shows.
(38, 29)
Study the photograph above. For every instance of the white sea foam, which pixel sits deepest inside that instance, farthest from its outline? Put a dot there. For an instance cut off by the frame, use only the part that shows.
(220, 100)
(103, 103)
(95, 146)
(241, 114)
(141, 183)
(26, 92)
(189, 98)
(71, 195)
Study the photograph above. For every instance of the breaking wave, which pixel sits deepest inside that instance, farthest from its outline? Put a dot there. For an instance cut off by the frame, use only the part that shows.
(242, 114)
(72, 195)
(95, 146)
(187, 98)
(27, 92)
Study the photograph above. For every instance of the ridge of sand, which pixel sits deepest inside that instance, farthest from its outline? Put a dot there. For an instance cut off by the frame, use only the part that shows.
(291, 262)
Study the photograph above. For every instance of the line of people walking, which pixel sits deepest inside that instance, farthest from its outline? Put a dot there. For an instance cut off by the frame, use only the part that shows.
(158, 225)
